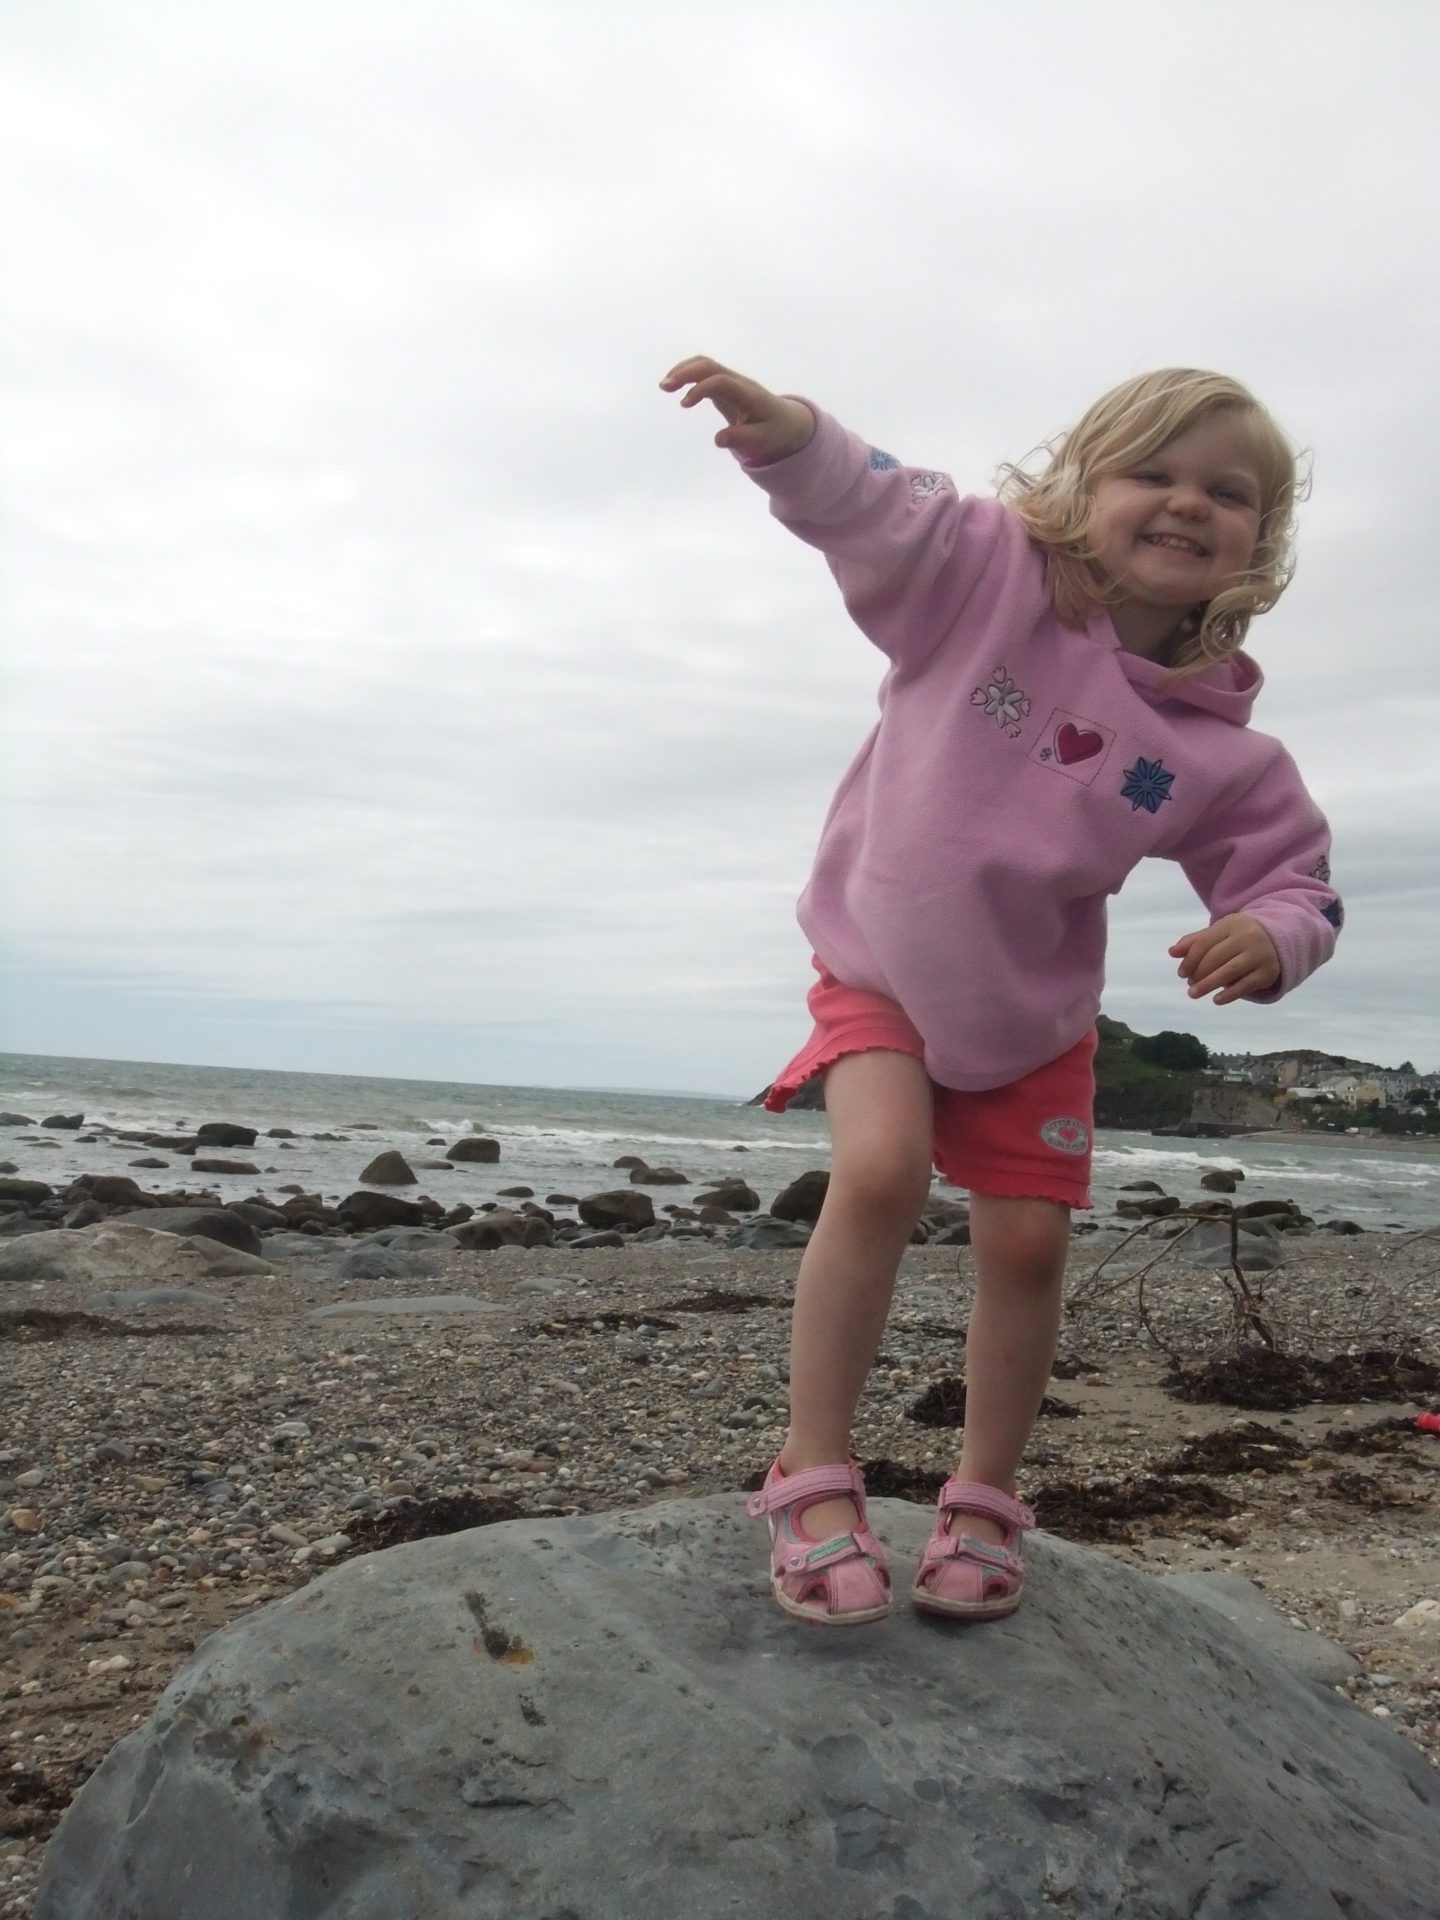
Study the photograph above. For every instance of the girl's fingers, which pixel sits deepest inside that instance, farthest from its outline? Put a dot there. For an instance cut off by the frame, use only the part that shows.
(695, 368)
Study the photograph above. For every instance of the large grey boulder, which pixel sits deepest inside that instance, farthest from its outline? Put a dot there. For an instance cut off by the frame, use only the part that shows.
(606, 1719)
(105, 1256)
(205, 1223)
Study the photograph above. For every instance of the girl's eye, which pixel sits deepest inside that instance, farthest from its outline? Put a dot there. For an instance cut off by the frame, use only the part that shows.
(1153, 477)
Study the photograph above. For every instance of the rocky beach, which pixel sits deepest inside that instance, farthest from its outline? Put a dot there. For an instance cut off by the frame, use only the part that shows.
(210, 1400)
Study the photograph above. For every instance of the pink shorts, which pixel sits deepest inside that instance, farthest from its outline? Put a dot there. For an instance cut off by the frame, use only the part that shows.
(1030, 1139)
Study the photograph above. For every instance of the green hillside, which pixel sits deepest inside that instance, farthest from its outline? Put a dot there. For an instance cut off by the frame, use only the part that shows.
(1145, 1080)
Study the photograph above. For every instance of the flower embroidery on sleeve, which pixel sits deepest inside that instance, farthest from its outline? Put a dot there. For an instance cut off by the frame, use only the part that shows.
(925, 486)
(1003, 702)
(1147, 784)
(882, 462)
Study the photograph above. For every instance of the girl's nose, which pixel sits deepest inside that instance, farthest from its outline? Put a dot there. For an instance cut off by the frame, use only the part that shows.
(1190, 503)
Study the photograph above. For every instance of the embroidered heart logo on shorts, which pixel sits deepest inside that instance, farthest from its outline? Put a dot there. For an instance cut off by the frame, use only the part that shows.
(1072, 745)
(1066, 1135)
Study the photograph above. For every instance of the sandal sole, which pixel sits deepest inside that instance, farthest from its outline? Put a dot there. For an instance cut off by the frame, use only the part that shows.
(807, 1616)
(961, 1610)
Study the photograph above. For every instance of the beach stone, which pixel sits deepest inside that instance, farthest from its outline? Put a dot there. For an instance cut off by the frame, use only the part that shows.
(1218, 1181)
(501, 1228)
(89, 1213)
(363, 1212)
(474, 1146)
(414, 1239)
(209, 1223)
(803, 1198)
(281, 1133)
(605, 1716)
(206, 1164)
(8, 1166)
(735, 1194)
(99, 1256)
(110, 1189)
(144, 1299)
(390, 1169)
(602, 1237)
(643, 1176)
(16, 1120)
(185, 1143)
(148, 1160)
(768, 1236)
(69, 1122)
(405, 1306)
(386, 1263)
(620, 1207)
(24, 1193)
(256, 1214)
(223, 1133)
(17, 1222)
(1310, 1655)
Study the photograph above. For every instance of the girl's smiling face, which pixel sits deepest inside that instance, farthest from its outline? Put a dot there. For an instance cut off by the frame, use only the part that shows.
(1171, 531)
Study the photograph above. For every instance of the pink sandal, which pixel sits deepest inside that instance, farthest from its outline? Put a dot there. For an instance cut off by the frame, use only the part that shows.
(971, 1579)
(839, 1582)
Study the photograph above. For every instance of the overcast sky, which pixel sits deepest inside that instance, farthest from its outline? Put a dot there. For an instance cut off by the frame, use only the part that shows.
(394, 681)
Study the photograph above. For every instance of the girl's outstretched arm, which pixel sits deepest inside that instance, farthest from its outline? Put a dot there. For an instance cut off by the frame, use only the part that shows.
(760, 426)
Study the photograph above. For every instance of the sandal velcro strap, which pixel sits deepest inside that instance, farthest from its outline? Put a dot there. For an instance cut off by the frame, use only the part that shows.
(973, 1496)
(860, 1545)
(813, 1483)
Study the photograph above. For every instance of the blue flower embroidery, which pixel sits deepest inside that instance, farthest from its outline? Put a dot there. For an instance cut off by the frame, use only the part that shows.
(882, 462)
(1146, 784)
(1335, 914)
(1321, 869)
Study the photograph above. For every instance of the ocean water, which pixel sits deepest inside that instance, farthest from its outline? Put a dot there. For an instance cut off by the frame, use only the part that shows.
(562, 1140)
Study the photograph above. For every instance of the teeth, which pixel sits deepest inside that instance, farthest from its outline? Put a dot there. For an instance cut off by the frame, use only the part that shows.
(1174, 540)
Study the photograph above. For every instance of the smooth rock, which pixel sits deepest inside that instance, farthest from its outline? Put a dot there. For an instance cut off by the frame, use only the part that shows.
(110, 1189)
(474, 1146)
(222, 1133)
(621, 1207)
(390, 1169)
(98, 1256)
(605, 1718)
(502, 1228)
(1240, 1601)
(16, 1120)
(765, 1236)
(404, 1306)
(386, 1263)
(146, 1299)
(69, 1122)
(362, 1212)
(24, 1193)
(206, 1163)
(803, 1198)
(205, 1223)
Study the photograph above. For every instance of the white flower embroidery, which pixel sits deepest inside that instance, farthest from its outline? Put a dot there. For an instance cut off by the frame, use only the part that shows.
(1003, 701)
(924, 486)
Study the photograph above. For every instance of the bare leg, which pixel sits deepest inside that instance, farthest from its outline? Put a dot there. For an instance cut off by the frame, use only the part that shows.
(1020, 1248)
(880, 1110)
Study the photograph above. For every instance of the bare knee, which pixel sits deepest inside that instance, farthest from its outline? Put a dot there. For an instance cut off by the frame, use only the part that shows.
(887, 1185)
(1023, 1241)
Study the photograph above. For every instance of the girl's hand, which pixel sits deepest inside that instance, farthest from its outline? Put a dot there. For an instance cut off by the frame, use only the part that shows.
(1236, 954)
(760, 426)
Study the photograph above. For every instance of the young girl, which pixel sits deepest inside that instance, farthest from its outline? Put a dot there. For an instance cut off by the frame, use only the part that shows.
(1065, 694)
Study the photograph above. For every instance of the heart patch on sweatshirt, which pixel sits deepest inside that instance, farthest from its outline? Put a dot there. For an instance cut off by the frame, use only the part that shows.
(1071, 744)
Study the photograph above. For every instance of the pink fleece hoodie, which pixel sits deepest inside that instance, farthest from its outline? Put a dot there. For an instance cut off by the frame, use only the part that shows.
(1019, 771)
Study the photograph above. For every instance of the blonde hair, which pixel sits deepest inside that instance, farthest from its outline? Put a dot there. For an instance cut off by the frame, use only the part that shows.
(1053, 493)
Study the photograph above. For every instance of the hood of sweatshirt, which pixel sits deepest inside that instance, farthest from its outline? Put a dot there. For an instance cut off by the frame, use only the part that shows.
(1228, 689)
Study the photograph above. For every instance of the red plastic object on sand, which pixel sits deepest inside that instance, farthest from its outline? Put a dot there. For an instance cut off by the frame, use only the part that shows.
(1428, 1422)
